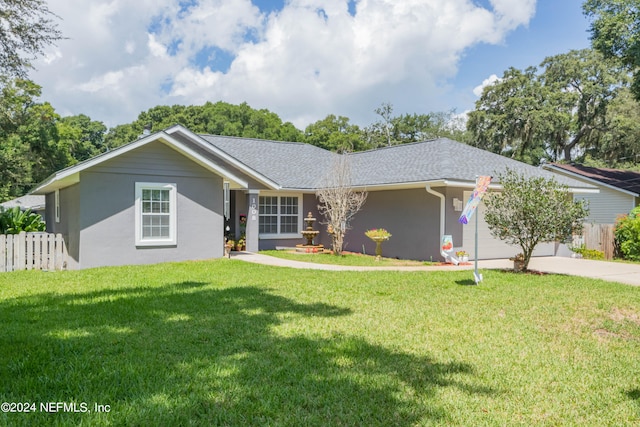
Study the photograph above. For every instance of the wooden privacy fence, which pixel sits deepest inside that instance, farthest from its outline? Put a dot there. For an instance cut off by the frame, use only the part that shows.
(599, 237)
(32, 251)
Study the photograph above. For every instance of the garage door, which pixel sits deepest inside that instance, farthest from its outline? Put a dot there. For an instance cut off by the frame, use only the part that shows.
(488, 246)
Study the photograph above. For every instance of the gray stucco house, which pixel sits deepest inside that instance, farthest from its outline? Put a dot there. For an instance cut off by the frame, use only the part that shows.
(169, 196)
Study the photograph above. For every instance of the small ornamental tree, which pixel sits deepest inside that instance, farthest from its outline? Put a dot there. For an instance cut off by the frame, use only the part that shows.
(534, 210)
(339, 202)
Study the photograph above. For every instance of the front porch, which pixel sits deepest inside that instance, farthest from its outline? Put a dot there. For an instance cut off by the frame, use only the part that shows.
(267, 220)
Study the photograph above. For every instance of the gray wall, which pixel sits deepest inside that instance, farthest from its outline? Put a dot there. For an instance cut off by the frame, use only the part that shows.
(106, 215)
(411, 216)
(69, 225)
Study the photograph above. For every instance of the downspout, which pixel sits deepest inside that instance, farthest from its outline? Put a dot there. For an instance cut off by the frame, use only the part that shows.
(446, 256)
(442, 200)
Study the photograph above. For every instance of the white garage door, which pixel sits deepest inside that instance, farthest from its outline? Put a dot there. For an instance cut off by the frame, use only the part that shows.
(488, 246)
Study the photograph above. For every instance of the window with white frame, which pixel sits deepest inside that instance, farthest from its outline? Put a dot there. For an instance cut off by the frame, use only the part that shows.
(155, 214)
(280, 216)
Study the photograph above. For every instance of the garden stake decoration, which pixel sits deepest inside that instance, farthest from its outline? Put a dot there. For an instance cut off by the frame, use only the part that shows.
(378, 235)
(482, 185)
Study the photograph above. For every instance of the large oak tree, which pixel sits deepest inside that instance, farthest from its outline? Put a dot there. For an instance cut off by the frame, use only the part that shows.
(26, 28)
(556, 112)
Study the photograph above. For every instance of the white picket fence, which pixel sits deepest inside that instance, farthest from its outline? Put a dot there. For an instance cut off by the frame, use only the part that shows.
(32, 251)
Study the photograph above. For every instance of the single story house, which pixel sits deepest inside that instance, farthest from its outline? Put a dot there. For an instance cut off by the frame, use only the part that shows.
(619, 190)
(171, 195)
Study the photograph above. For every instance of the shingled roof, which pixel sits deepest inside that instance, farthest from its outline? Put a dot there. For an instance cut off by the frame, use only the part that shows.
(289, 164)
(622, 179)
(438, 159)
(297, 165)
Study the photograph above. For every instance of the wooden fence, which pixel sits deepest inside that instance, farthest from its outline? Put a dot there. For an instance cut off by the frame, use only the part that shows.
(32, 251)
(599, 237)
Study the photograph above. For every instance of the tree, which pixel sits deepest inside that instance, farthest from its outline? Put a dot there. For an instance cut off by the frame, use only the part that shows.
(81, 137)
(615, 32)
(620, 146)
(335, 134)
(29, 149)
(529, 211)
(405, 128)
(26, 28)
(218, 118)
(556, 114)
(339, 202)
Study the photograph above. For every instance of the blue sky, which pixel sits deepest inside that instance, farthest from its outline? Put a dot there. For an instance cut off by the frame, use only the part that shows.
(302, 59)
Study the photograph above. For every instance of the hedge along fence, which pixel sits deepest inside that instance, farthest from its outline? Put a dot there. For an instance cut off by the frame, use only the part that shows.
(32, 251)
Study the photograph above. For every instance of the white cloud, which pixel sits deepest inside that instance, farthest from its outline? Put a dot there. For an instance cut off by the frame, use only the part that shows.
(303, 62)
(477, 91)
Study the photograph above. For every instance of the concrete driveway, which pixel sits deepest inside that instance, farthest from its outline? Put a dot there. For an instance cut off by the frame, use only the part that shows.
(610, 271)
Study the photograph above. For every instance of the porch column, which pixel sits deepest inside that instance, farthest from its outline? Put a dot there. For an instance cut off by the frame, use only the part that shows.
(252, 220)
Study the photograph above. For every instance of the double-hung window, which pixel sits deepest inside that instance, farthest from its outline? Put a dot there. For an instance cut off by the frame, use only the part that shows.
(155, 214)
(280, 216)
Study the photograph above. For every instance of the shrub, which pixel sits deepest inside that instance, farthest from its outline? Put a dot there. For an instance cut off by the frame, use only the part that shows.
(627, 235)
(13, 221)
(588, 253)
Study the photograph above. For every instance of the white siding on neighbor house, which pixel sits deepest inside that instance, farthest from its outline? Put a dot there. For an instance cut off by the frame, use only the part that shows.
(606, 206)
(488, 246)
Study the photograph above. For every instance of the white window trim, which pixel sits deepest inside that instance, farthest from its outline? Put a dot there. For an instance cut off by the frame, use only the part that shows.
(297, 235)
(173, 226)
(56, 197)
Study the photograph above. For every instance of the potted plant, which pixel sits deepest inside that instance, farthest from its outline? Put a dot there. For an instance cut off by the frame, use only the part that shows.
(462, 255)
(518, 262)
(378, 235)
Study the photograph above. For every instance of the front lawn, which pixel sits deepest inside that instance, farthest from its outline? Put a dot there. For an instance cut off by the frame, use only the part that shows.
(231, 343)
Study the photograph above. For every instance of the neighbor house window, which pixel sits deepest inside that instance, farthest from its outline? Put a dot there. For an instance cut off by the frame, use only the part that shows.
(155, 214)
(280, 216)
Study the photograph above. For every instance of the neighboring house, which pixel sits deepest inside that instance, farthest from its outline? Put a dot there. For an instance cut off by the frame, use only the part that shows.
(32, 202)
(169, 196)
(619, 190)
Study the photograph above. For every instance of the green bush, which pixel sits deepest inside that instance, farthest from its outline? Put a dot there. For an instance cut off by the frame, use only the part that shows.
(13, 221)
(588, 253)
(627, 235)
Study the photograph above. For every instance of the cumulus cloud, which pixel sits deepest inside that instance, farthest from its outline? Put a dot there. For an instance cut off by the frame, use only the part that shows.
(477, 91)
(304, 61)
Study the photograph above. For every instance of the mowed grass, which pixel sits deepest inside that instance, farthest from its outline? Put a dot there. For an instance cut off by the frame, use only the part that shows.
(231, 343)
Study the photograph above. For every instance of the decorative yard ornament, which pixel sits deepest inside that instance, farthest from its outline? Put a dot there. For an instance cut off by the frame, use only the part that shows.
(482, 185)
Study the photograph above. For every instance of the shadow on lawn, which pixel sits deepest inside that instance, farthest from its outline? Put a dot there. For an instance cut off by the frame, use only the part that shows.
(634, 395)
(189, 353)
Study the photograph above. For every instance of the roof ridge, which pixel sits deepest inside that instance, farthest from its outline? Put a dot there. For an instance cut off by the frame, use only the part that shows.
(244, 138)
(391, 147)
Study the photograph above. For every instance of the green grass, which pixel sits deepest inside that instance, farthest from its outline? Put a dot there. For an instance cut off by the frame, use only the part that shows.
(344, 259)
(231, 343)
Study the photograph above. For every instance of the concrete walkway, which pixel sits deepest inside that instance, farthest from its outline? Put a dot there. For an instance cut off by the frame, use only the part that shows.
(611, 271)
